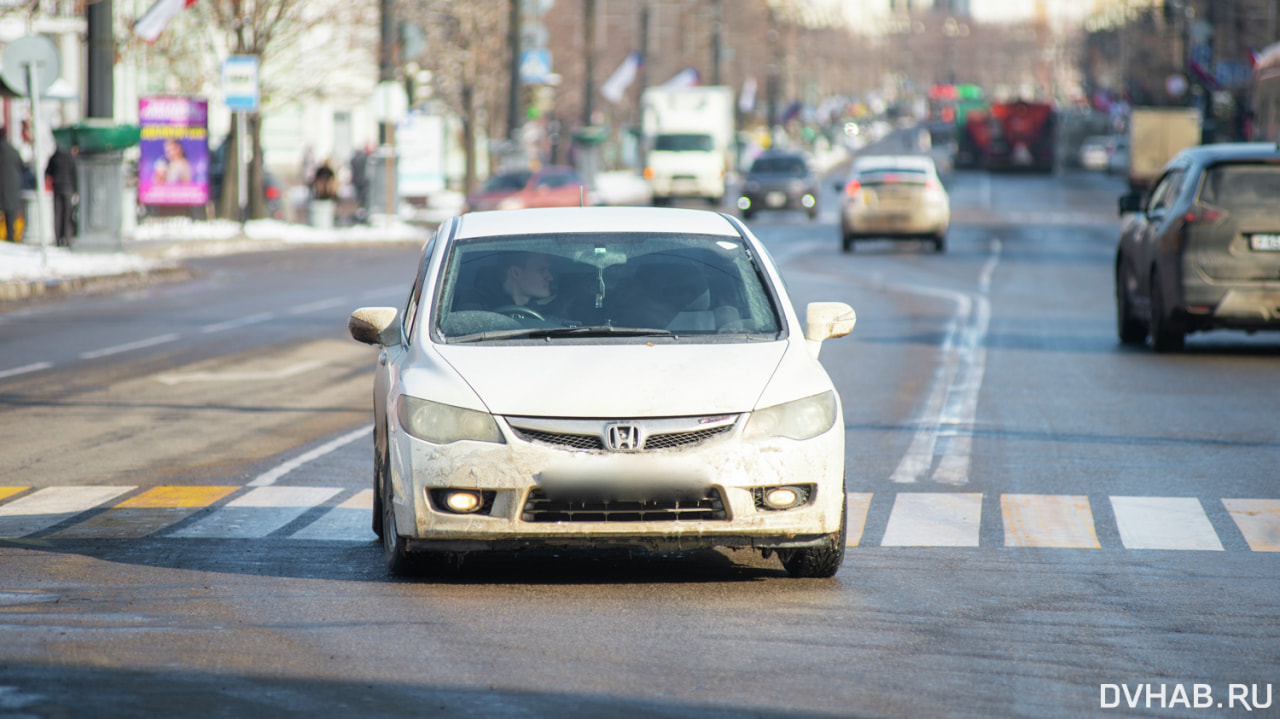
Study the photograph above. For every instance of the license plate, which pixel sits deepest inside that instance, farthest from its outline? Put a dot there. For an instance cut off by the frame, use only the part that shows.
(776, 199)
(1265, 243)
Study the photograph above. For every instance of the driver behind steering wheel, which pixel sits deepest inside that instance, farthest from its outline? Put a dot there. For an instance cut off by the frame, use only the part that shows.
(526, 276)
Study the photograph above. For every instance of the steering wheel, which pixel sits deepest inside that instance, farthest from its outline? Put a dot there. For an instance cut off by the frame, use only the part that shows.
(520, 312)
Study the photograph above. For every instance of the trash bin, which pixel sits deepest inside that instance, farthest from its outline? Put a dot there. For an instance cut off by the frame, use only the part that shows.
(320, 213)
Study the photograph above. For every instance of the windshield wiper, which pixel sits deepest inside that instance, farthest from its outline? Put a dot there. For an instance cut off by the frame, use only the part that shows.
(583, 331)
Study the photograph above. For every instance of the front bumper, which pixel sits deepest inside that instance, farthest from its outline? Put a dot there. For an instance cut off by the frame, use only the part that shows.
(731, 470)
(778, 199)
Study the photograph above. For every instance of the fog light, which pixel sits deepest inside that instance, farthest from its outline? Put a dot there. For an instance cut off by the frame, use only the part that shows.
(744, 203)
(782, 497)
(462, 502)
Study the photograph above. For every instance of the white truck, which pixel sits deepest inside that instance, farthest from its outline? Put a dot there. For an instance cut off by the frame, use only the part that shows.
(688, 141)
(1156, 134)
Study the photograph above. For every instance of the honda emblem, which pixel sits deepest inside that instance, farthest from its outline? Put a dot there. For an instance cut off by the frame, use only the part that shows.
(623, 438)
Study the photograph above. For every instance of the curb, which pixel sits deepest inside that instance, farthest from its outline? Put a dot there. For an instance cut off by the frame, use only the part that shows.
(35, 289)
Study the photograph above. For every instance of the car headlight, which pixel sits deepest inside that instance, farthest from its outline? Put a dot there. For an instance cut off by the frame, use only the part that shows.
(442, 423)
(801, 419)
(511, 203)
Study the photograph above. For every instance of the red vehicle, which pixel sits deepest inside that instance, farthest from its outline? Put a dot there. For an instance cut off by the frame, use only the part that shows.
(974, 139)
(1022, 137)
(551, 186)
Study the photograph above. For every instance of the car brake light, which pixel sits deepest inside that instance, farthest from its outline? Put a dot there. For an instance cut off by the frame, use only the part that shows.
(273, 193)
(852, 188)
(1201, 212)
(648, 173)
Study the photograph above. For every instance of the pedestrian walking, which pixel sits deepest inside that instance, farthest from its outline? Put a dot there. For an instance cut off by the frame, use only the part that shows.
(10, 187)
(61, 175)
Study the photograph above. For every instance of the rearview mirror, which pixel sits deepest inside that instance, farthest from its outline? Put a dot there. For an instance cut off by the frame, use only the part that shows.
(1130, 203)
(824, 320)
(374, 326)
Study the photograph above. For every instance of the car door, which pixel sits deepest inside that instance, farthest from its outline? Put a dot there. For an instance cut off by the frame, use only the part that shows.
(1158, 219)
(386, 375)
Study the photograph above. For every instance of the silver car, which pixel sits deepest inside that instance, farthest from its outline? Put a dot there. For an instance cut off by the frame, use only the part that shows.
(896, 197)
(604, 377)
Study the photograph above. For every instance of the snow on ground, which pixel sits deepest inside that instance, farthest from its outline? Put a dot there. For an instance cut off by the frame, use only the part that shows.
(23, 263)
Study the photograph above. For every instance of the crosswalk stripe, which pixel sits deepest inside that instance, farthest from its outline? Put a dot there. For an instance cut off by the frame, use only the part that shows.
(347, 522)
(258, 513)
(147, 513)
(1164, 523)
(10, 491)
(47, 507)
(859, 504)
(1040, 520)
(1258, 520)
(922, 519)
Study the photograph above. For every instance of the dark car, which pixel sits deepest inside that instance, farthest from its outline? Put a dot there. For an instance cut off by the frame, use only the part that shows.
(779, 180)
(1202, 251)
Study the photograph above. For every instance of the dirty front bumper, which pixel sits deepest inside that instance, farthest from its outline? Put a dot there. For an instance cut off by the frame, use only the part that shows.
(536, 494)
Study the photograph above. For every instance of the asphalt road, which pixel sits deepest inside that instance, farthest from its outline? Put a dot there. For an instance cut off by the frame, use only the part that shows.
(1045, 523)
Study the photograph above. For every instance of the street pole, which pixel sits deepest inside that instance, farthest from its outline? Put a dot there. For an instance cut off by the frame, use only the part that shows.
(37, 129)
(588, 59)
(513, 84)
(717, 20)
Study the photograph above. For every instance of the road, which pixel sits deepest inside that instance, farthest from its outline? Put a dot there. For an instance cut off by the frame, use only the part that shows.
(1044, 523)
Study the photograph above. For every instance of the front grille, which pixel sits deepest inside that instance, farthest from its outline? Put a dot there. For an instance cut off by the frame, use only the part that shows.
(574, 441)
(683, 439)
(668, 440)
(540, 508)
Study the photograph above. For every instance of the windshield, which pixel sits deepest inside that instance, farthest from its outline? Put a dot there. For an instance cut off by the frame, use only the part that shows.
(683, 143)
(1242, 186)
(618, 285)
(778, 166)
(507, 181)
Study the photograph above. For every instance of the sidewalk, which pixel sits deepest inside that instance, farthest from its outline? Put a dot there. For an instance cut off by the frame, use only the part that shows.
(156, 250)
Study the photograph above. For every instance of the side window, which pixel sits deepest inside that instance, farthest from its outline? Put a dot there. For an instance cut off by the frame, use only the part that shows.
(1165, 193)
(410, 314)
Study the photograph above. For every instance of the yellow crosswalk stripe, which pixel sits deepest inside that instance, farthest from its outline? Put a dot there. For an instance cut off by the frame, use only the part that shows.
(10, 491)
(1043, 520)
(177, 496)
(1258, 520)
(147, 513)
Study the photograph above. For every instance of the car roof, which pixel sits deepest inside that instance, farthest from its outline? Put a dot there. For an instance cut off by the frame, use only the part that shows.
(903, 162)
(593, 219)
(1227, 151)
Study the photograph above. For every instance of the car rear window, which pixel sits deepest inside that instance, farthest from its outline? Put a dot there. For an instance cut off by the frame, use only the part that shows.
(1238, 186)
(683, 143)
(691, 285)
(507, 181)
(779, 166)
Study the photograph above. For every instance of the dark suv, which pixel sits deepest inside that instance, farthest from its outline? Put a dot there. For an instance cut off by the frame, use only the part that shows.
(1202, 251)
(779, 180)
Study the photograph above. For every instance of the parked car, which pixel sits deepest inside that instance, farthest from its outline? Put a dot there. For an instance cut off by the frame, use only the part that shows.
(1095, 152)
(1202, 252)
(779, 180)
(550, 186)
(627, 377)
(893, 196)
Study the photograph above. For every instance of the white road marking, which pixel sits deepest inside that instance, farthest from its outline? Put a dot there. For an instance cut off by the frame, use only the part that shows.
(319, 305)
(52, 505)
(934, 520)
(858, 504)
(1164, 523)
(282, 373)
(1038, 520)
(1258, 520)
(25, 369)
(347, 522)
(951, 409)
(118, 349)
(270, 477)
(258, 513)
(240, 322)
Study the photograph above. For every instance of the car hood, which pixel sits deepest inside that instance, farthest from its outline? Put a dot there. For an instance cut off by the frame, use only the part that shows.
(624, 380)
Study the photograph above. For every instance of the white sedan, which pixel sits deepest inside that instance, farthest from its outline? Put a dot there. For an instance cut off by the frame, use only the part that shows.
(604, 377)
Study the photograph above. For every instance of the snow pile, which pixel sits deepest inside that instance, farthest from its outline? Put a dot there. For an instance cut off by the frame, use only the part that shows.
(23, 263)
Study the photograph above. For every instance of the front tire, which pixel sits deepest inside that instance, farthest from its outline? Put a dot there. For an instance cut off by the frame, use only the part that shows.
(940, 243)
(394, 546)
(819, 562)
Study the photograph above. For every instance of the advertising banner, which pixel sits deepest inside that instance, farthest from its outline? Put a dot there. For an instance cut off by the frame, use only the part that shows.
(173, 168)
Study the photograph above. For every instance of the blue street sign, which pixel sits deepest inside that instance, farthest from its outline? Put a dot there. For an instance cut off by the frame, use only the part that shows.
(240, 83)
(535, 66)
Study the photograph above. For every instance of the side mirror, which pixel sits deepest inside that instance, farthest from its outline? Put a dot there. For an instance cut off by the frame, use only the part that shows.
(824, 320)
(1130, 203)
(374, 326)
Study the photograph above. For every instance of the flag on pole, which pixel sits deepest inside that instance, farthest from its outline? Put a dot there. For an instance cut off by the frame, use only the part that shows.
(747, 100)
(622, 78)
(151, 24)
(687, 77)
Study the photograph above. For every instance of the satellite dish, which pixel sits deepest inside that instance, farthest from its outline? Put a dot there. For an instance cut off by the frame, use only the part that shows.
(36, 50)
